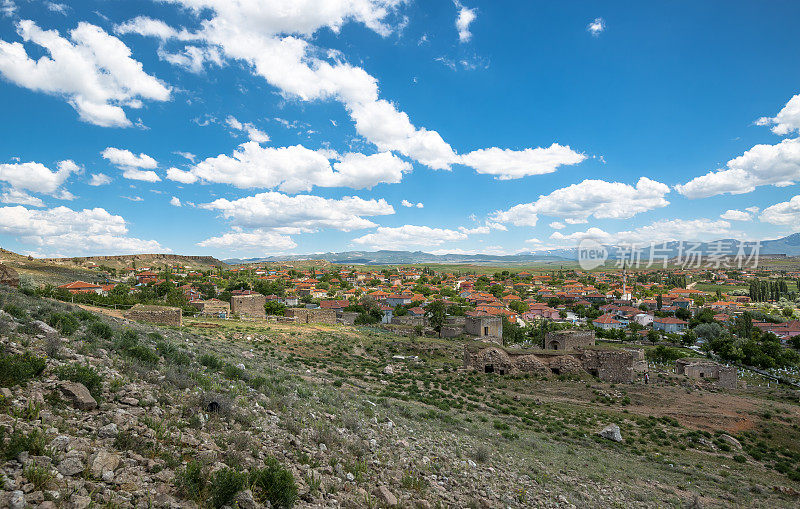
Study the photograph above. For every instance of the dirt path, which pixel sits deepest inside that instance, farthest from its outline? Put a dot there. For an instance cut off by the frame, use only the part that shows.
(116, 313)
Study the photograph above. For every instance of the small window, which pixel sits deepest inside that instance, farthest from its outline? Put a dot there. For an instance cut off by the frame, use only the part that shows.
(489, 368)
(486, 331)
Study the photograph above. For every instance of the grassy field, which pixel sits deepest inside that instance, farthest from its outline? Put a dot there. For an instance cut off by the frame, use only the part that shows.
(712, 288)
(673, 446)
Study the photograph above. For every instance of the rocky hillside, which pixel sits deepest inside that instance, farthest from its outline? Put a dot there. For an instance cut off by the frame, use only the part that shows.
(100, 412)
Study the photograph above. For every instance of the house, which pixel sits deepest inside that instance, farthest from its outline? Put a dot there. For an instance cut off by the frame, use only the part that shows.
(669, 324)
(336, 305)
(607, 322)
(397, 299)
(416, 311)
(388, 313)
(77, 287)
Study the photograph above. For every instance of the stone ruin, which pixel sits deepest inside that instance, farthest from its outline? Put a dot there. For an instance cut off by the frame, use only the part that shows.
(305, 315)
(8, 276)
(212, 307)
(160, 315)
(249, 305)
(717, 374)
(568, 339)
(485, 327)
(610, 365)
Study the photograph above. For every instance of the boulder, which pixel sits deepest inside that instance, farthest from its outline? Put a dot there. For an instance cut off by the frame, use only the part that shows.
(611, 432)
(72, 465)
(79, 395)
(45, 329)
(388, 370)
(244, 500)
(104, 464)
(731, 441)
(108, 431)
(16, 500)
(386, 496)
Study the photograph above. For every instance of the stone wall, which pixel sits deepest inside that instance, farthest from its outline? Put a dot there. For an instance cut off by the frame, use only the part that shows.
(249, 305)
(608, 365)
(485, 327)
(411, 321)
(347, 317)
(722, 376)
(569, 339)
(319, 315)
(8, 276)
(211, 306)
(160, 315)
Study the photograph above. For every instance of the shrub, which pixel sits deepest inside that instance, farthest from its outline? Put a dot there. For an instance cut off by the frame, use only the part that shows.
(210, 361)
(143, 353)
(275, 484)
(101, 330)
(85, 375)
(66, 323)
(39, 475)
(224, 485)
(34, 442)
(234, 372)
(190, 481)
(15, 311)
(86, 316)
(19, 368)
(739, 458)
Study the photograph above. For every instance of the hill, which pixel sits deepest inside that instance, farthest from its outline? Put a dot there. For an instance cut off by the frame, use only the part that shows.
(139, 260)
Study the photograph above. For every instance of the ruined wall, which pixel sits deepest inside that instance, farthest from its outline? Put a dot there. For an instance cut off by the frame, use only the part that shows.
(570, 339)
(411, 321)
(614, 365)
(478, 325)
(249, 305)
(722, 376)
(160, 315)
(347, 317)
(212, 306)
(8, 276)
(319, 315)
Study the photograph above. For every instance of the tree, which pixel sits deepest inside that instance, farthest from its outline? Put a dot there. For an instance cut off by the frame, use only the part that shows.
(275, 308)
(436, 314)
(683, 314)
(652, 336)
(659, 302)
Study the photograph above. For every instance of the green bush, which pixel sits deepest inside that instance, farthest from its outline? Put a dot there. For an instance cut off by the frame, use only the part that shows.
(15, 311)
(34, 442)
(85, 375)
(275, 484)
(65, 323)
(143, 353)
(19, 368)
(232, 372)
(224, 485)
(211, 361)
(101, 330)
(191, 482)
(86, 316)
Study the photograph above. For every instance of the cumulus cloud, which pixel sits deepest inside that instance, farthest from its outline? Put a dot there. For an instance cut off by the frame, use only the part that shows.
(409, 204)
(784, 213)
(660, 231)
(131, 164)
(596, 27)
(37, 178)
(88, 231)
(736, 215)
(405, 236)
(8, 7)
(251, 130)
(294, 168)
(99, 179)
(175, 201)
(301, 213)
(787, 120)
(556, 225)
(92, 70)
(508, 164)
(21, 198)
(56, 7)
(590, 198)
(776, 165)
(463, 21)
(273, 38)
(256, 241)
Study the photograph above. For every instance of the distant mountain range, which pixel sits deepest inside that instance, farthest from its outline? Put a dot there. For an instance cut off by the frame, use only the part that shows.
(789, 246)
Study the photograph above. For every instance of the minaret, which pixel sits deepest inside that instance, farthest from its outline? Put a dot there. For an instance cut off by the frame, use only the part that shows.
(624, 282)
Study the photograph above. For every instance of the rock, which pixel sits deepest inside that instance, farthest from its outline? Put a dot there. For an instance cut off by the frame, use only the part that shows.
(79, 395)
(611, 432)
(71, 465)
(386, 496)
(108, 431)
(45, 329)
(80, 502)
(244, 500)
(16, 500)
(104, 465)
(6, 393)
(388, 370)
(60, 443)
(350, 477)
(731, 441)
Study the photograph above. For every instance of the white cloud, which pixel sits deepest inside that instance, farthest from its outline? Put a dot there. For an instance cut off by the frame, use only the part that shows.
(736, 215)
(596, 27)
(409, 235)
(252, 131)
(56, 7)
(37, 178)
(409, 204)
(186, 155)
(21, 198)
(175, 201)
(463, 21)
(8, 8)
(92, 70)
(657, 232)
(752, 210)
(511, 164)
(273, 38)
(557, 225)
(787, 120)
(99, 179)
(776, 165)
(301, 213)
(88, 231)
(131, 164)
(590, 198)
(258, 241)
(784, 213)
(295, 168)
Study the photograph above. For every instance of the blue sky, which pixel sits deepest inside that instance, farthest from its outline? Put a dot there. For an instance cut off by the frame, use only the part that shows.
(255, 127)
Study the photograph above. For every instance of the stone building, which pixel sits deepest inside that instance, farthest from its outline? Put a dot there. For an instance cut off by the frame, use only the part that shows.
(608, 365)
(161, 315)
(569, 339)
(722, 376)
(485, 327)
(249, 305)
(212, 307)
(305, 315)
(8, 276)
